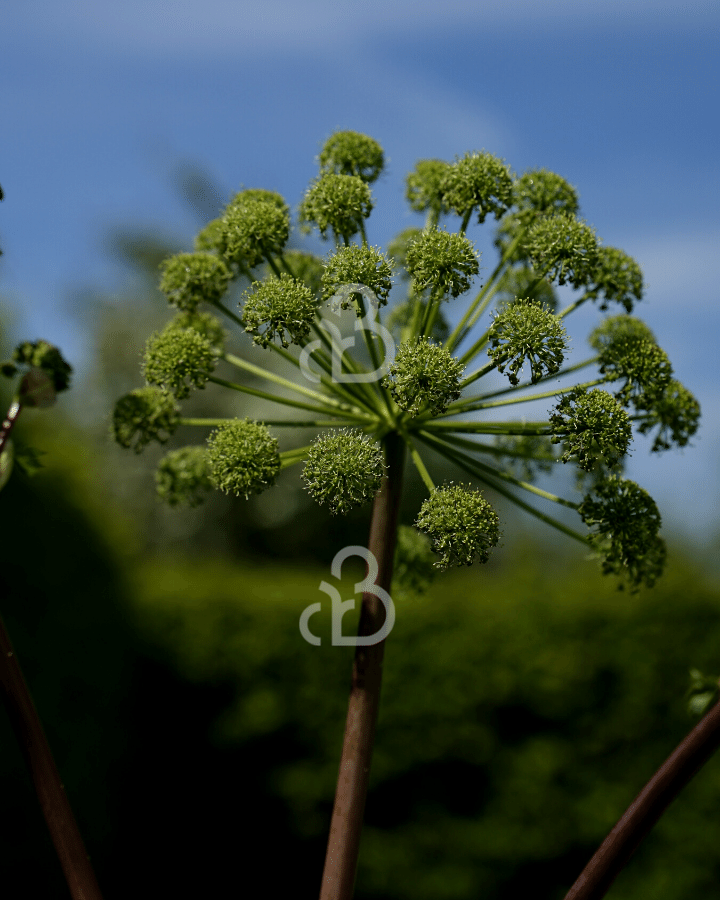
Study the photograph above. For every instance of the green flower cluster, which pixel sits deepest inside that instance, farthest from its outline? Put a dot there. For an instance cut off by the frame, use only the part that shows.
(177, 359)
(593, 428)
(442, 263)
(343, 470)
(461, 524)
(357, 264)
(243, 458)
(424, 374)
(192, 278)
(276, 306)
(525, 331)
(339, 203)
(144, 415)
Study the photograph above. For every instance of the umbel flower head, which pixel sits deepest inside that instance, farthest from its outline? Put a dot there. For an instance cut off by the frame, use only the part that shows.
(255, 223)
(343, 470)
(352, 153)
(358, 264)
(563, 249)
(46, 372)
(280, 308)
(424, 374)
(441, 262)
(478, 182)
(525, 331)
(593, 428)
(177, 359)
(243, 457)
(424, 186)
(617, 278)
(189, 279)
(183, 476)
(340, 203)
(461, 524)
(675, 414)
(144, 415)
(626, 522)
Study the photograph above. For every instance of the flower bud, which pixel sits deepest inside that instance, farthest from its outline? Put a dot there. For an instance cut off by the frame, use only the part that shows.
(344, 469)
(627, 522)
(244, 458)
(183, 476)
(478, 181)
(282, 305)
(205, 324)
(338, 202)
(593, 428)
(192, 278)
(627, 350)
(424, 373)
(442, 262)
(255, 223)
(352, 153)
(144, 415)
(358, 264)
(525, 331)
(563, 248)
(424, 186)
(461, 524)
(177, 359)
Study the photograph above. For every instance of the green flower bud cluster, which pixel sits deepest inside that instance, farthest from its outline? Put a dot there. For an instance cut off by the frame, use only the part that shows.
(593, 428)
(183, 476)
(525, 331)
(563, 249)
(340, 203)
(441, 262)
(343, 470)
(205, 324)
(461, 524)
(676, 415)
(626, 521)
(358, 264)
(352, 153)
(424, 374)
(178, 359)
(617, 278)
(424, 186)
(478, 182)
(189, 279)
(282, 307)
(243, 458)
(46, 372)
(144, 415)
(255, 223)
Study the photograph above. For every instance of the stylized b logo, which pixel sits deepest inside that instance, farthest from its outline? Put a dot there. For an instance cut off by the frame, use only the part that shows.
(340, 607)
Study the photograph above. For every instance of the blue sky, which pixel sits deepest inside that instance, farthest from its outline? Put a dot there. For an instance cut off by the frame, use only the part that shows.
(100, 102)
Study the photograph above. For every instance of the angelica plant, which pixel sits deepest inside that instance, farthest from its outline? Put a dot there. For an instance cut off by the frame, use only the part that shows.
(415, 385)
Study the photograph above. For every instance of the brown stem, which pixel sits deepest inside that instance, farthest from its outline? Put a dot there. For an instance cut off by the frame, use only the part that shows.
(344, 841)
(50, 790)
(646, 809)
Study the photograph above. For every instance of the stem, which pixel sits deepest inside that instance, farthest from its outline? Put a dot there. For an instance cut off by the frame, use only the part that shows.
(9, 422)
(344, 840)
(646, 809)
(55, 805)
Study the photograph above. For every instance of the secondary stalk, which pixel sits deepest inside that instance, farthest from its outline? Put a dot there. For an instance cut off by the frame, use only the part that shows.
(346, 824)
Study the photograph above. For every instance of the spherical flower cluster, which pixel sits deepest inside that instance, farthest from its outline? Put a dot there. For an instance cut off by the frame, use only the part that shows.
(617, 278)
(255, 223)
(423, 374)
(48, 373)
(177, 359)
(441, 262)
(208, 239)
(183, 476)
(424, 186)
(144, 415)
(284, 306)
(676, 415)
(344, 469)
(337, 202)
(526, 331)
(593, 428)
(461, 524)
(560, 247)
(627, 522)
(541, 192)
(352, 153)
(358, 264)
(192, 278)
(244, 458)
(478, 181)
(616, 328)
(644, 367)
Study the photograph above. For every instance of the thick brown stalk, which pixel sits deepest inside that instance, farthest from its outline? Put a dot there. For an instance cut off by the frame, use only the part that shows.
(646, 809)
(50, 790)
(344, 841)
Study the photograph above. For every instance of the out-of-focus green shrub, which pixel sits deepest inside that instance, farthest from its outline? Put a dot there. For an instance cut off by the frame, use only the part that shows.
(522, 712)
